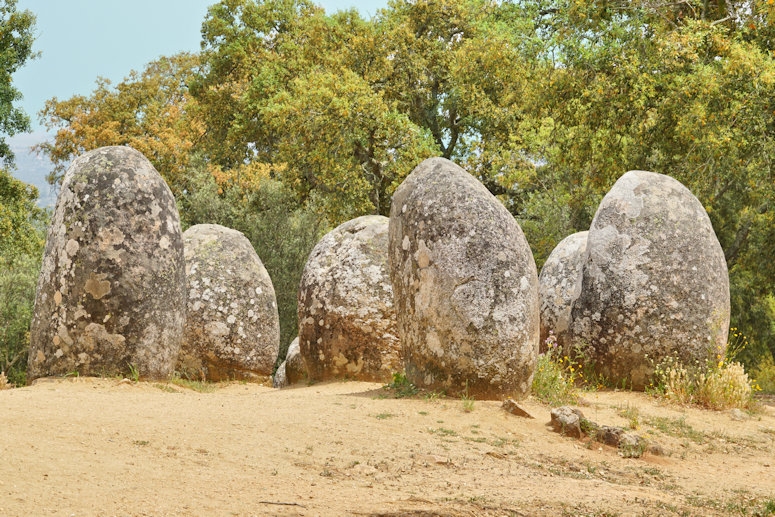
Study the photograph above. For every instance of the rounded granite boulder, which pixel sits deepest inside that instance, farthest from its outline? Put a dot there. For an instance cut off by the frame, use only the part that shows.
(111, 291)
(655, 281)
(232, 330)
(465, 286)
(559, 284)
(347, 320)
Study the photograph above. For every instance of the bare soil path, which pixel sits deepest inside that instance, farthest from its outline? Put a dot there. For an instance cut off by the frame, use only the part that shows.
(102, 447)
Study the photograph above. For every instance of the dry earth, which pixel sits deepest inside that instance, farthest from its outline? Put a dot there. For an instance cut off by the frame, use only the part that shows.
(82, 447)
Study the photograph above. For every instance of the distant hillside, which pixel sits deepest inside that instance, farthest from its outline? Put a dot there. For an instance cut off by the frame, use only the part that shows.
(31, 168)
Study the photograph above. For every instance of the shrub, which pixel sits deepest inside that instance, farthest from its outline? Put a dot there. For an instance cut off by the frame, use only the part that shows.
(724, 387)
(553, 380)
(18, 279)
(764, 374)
(721, 385)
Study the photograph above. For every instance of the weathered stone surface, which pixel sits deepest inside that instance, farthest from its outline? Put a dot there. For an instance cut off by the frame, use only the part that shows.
(559, 284)
(347, 320)
(655, 281)
(465, 286)
(111, 291)
(295, 371)
(566, 421)
(292, 369)
(279, 380)
(232, 330)
(632, 445)
(512, 407)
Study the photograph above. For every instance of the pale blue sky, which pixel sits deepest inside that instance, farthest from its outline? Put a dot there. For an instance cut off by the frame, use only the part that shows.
(80, 40)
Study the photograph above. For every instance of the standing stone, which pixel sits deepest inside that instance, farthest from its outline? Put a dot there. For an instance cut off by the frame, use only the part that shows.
(655, 281)
(347, 321)
(465, 286)
(232, 330)
(111, 291)
(559, 284)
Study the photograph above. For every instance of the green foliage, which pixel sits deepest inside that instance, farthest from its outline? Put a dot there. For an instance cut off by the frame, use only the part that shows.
(22, 226)
(764, 375)
(402, 386)
(550, 384)
(16, 38)
(21, 220)
(17, 297)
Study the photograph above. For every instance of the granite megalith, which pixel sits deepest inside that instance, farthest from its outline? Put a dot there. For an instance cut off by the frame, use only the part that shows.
(465, 286)
(655, 281)
(347, 319)
(232, 327)
(111, 292)
(559, 284)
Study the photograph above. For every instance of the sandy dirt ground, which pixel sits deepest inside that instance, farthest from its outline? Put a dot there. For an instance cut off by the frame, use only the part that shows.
(83, 447)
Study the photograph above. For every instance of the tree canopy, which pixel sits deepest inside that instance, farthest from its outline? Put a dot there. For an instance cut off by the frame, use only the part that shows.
(546, 102)
(16, 38)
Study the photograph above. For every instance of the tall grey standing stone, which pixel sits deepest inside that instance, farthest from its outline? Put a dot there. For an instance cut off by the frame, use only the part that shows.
(111, 291)
(347, 320)
(655, 281)
(559, 285)
(465, 286)
(232, 330)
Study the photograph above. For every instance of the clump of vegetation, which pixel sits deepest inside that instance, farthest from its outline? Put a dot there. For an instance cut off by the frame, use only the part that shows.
(720, 384)
(199, 386)
(554, 380)
(764, 374)
(401, 386)
(468, 401)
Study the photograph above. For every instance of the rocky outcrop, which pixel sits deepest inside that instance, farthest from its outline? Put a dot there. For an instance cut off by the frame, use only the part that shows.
(347, 320)
(655, 281)
(559, 285)
(465, 286)
(232, 329)
(111, 291)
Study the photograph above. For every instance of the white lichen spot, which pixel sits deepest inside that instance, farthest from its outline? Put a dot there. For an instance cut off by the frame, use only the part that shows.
(164, 242)
(59, 353)
(72, 247)
(259, 291)
(405, 243)
(231, 319)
